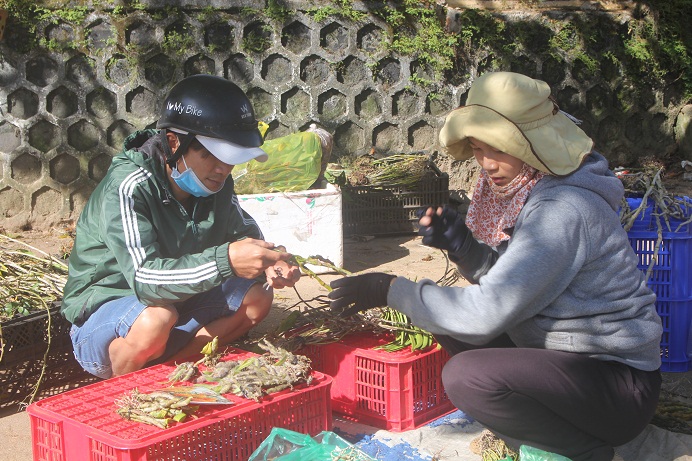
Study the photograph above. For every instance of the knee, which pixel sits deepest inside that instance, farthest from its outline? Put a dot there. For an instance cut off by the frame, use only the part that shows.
(258, 303)
(155, 323)
(462, 381)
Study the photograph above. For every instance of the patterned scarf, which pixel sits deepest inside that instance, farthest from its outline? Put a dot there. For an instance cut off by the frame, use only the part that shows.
(496, 208)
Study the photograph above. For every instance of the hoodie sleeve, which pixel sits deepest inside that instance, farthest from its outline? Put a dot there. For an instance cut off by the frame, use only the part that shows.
(541, 260)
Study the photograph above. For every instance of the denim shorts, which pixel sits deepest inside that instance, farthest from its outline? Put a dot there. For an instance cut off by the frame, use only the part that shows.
(115, 318)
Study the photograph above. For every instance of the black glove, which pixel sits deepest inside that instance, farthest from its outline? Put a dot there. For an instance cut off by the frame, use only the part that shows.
(447, 231)
(351, 295)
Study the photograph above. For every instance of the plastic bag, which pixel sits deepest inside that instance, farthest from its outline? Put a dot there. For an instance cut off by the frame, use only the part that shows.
(287, 445)
(528, 453)
(294, 164)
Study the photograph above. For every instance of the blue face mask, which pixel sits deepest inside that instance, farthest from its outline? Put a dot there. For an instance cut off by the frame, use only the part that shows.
(189, 182)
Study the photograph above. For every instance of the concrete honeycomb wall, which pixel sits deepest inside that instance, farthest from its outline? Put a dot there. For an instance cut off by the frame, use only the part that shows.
(66, 110)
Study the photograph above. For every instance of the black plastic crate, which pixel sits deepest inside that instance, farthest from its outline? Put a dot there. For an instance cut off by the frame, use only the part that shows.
(25, 341)
(374, 210)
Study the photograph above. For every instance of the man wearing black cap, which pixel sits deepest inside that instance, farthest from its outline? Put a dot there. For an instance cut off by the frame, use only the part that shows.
(164, 258)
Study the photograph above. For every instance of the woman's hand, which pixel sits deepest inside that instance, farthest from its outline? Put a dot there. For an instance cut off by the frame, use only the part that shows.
(443, 228)
(351, 295)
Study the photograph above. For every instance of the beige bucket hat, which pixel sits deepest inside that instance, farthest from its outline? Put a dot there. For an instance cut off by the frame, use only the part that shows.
(516, 115)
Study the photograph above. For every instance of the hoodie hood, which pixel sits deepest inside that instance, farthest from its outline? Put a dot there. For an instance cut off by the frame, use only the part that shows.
(144, 149)
(593, 175)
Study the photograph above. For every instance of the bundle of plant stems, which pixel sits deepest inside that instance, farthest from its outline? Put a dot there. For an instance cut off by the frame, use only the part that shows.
(311, 322)
(30, 279)
(405, 170)
(649, 184)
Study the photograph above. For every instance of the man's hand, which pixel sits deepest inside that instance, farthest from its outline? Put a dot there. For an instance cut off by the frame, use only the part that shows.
(282, 275)
(358, 293)
(250, 258)
(443, 228)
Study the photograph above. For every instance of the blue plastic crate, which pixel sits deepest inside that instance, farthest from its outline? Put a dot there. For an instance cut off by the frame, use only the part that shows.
(670, 280)
(676, 341)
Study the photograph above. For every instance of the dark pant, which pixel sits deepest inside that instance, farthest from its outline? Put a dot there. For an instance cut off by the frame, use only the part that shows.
(561, 402)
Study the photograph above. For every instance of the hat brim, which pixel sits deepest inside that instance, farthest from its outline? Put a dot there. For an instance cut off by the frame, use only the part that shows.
(230, 153)
(557, 147)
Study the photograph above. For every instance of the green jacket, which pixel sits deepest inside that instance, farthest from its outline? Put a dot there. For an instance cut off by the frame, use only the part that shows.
(134, 238)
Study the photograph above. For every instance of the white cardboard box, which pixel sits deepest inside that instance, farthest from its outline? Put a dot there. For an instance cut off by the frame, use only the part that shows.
(308, 223)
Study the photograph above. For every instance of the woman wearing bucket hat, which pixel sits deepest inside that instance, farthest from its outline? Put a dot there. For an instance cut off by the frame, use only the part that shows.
(556, 343)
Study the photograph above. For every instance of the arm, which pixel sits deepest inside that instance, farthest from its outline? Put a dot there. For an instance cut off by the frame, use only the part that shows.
(546, 252)
(129, 231)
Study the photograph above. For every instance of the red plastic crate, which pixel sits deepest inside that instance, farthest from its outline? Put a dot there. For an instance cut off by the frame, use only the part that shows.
(82, 424)
(396, 391)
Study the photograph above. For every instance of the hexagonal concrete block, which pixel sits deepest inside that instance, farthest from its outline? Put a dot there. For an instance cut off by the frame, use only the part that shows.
(141, 101)
(98, 166)
(62, 34)
(83, 135)
(79, 198)
(41, 70)
(9, 137)
(553, 71)
(634, 130)
(158, 70)
(406, 103)
(386, 138)
(22, 103)
(423, 70)
(598, 100)
(64, 168)
(8, 72)
(296, 38)
(100, 34)
(352, 72)
(334, 37)
(218, 37)
(368, 104)
(141, 34)
(62, 102)
(11, 202)
(257, 37)
(199, 64)
(568, 99)
(421, 136)
(46, 201)
(44, 136)
(102, 103)
(119, 70)
(26, 168)
(388, 71)
(314, 70)
(332, 105)
(439, 103)
(370, 37)
(277, 130)
(609, 129)
(277, 69)
(262, 103)
(118, 132)
(349, 138)
(81, 70)
(295, 103)
(238, 69)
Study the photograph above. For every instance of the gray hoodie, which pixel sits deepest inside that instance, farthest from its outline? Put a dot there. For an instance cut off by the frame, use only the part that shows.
(566, 280)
